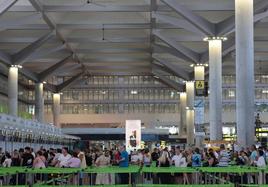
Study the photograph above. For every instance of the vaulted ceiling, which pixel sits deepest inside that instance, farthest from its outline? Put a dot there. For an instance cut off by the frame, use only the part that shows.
(121, 37)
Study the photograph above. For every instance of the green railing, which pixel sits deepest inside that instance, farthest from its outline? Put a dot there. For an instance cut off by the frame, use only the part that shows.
(214, 172)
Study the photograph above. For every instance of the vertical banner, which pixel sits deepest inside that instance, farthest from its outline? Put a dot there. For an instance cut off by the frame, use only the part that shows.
(133, 134)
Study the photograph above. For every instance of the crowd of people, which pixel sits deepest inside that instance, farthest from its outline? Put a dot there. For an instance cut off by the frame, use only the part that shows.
(191, 157)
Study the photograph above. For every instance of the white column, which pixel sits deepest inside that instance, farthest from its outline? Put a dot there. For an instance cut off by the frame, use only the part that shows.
(182, 128)
(199, 72)
(199, 75)
(244, 72)
(190, 112)
(190, 94)
(190, 126)
(13, 91)
(56, 109)
(39, 102)
(215, 88)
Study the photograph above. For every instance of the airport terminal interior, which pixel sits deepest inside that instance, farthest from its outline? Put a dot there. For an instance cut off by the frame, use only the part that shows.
(122, 93)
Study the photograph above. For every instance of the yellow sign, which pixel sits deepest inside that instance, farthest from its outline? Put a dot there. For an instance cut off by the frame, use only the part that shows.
(199, 85)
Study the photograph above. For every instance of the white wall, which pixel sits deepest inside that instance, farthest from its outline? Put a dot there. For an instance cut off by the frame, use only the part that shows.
(146, 118)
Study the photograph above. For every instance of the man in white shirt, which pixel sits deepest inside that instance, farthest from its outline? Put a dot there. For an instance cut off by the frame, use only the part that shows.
(136, 157)
(176, 159)
(64, 158)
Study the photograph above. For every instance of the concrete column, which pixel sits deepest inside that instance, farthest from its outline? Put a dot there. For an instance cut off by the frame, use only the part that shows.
(215, 88)
(244, 72)
(190, 112)
(39, 102)
(199, 72)
(13, 91)
(199, 75)
(182, 128)
(190, 126)
(56, 109)
(190, 94)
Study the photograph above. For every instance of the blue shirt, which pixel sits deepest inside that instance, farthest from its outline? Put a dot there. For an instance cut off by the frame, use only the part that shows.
(253, 156)
(196, 160)
(124, 163)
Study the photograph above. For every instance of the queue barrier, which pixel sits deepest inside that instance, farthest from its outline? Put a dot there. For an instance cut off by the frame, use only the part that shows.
(209, 175)
(178, 185)
(254, 185)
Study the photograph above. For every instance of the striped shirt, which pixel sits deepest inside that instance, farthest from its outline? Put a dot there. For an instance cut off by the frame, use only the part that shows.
(224, 158)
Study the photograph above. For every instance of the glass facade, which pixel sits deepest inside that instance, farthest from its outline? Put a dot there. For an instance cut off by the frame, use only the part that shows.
(117, 94)
(122, 94)
(138, 94)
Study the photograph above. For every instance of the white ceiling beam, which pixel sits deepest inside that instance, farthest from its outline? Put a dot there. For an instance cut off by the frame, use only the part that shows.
(19, 21)
(175, 85)
(165, 49)
(5, 5)
(69, 82)
(29, 74)
(206, 27)
(108, 40)
(260, 6)
(5, 58)
(118, 50)
(18, 39)
(121, 73)
(44, 52)
(105, 8)
(225, 6)
(65, 70)
(142, 39)
(118, 67)
(260, 16)
(192, 55)
(227, 26)
(105, 26)
(115, 59)
(175, 69)
(53, 26)
(179, 23)
(228, 46)
(21, 56)
(26, 26)
(49, 71)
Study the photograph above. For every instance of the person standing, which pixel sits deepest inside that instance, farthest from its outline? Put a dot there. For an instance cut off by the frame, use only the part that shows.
(224, 157)
(7, 164)
(147, 161)
(196, 162)
(261, 163)
(39, 161)
(176, 160)
(63, 158)
(253, 155)
(83, 164)
(26, 161)
(164, 161)
(103, 161)
(123, 162)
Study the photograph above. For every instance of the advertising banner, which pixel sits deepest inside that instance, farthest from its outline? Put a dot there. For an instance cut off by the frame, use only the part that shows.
(133, 134)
